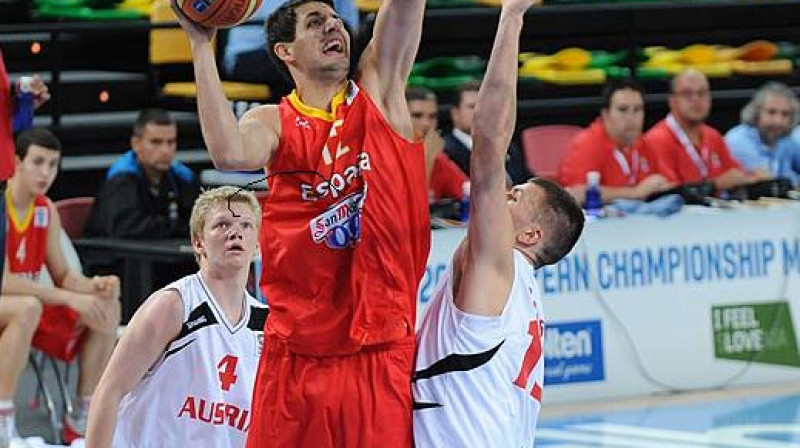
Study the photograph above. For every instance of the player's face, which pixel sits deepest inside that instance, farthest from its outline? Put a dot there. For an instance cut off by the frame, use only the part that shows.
(774, 118)
(321, 40)
(624, 117)
(155, 148)
(39, 168)
(523, 200)
(691, 100)
(423, 115)
(230, 236)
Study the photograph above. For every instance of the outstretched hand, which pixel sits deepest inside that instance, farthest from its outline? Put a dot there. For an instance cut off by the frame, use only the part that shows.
(198, 34)
(519, 6)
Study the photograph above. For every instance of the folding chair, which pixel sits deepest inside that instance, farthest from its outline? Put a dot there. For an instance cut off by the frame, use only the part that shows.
(545, 146)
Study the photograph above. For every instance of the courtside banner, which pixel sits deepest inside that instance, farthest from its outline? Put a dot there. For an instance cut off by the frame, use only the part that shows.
(703, 299)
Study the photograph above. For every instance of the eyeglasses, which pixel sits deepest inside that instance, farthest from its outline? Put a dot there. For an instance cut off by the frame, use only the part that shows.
(688, 94)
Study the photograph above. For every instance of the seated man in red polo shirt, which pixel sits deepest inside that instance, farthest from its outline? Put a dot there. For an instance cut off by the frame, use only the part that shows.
(690, 150)
(445, 178)
(612, 146)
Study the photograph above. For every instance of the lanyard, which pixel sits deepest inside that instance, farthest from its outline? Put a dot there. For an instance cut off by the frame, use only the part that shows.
(632, 173)
(691, 151)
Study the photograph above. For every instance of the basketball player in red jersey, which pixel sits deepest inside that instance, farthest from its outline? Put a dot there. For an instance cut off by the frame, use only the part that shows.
(345, 226)
(80, 315)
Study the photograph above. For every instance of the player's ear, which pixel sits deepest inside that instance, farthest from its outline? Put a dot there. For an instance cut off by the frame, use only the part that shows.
(283, 50)
(530, 236)
(198, 246)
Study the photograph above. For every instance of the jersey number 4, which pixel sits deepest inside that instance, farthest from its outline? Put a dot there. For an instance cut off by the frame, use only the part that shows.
(227, 371)
(532, 357)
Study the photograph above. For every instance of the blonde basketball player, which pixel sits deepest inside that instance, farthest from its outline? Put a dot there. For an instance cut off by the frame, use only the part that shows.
(183, 373)
(479, 366)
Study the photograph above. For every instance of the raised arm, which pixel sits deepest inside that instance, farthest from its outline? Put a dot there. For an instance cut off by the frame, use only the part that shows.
(248, 145)
(488, 260)
(386, 63)
(150, 331)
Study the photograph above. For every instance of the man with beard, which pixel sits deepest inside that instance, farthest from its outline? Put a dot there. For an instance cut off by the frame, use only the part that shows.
(761, 143)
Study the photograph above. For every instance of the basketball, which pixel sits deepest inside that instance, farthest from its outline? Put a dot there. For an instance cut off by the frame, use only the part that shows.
(219, 13)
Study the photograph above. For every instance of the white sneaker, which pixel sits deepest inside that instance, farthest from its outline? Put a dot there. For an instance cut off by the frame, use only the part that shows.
(9, 437)
(19, 442)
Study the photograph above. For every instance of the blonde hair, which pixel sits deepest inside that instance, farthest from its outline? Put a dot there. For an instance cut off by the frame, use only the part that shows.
(224, 195)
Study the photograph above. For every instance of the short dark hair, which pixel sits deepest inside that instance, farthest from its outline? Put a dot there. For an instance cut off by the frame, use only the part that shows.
(615, 85)
(469, 86)
(563, 217)
(158, 117)
(281, 26)
(419, 94)
(39, 137)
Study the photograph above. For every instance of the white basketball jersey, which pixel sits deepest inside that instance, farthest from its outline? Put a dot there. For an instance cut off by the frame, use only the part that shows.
(198, 392)
(478, 380)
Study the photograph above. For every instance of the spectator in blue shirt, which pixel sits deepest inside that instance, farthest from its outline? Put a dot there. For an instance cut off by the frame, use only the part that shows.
(246, 58)
(762, 142)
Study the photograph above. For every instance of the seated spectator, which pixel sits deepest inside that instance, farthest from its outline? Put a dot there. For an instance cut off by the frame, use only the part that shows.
(79, 315)
(689, 150)
(246, 58)
(147, 194)
(445, 179)
(458, 142)
(613, 147)
(762, 142)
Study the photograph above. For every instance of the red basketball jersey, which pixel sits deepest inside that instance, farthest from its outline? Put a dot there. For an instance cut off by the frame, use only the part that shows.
(346, 230)
(26, 243)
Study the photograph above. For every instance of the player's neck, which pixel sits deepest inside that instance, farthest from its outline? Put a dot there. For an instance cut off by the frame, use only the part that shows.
(228, 290)
(20, 197)
(319, 94)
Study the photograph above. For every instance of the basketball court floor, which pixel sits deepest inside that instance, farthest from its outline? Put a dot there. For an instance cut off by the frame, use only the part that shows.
(755, 417)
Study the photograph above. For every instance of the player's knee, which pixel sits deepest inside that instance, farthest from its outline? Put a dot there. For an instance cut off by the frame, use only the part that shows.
(28, 310)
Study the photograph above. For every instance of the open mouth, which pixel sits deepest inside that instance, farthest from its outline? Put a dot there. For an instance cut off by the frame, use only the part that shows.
(235, 248)
(333, 47)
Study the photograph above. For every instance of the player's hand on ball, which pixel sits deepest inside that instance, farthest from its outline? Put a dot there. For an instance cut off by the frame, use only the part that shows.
(198, 34)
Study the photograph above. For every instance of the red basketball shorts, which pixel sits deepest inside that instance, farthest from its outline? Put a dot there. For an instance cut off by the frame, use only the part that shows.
(354, 401)
(58, 333)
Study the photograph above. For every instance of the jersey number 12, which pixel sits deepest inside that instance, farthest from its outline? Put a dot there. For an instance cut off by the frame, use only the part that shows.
(532, 357)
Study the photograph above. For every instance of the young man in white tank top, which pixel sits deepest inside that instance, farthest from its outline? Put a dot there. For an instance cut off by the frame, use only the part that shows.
(479, 372)
(184, 370)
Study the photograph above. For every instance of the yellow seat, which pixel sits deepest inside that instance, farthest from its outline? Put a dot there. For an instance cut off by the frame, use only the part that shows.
(171, 46)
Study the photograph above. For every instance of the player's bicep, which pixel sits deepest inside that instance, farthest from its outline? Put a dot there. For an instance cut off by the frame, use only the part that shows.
(260, 130)
(148, 334)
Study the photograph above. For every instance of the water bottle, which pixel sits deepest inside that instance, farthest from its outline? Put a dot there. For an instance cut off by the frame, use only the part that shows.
(23, 112)
(464, 203)
(594, 201)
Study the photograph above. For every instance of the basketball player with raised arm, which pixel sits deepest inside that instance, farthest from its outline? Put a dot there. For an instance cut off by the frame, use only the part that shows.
(479, 366)
(183, 373)
(346, 230)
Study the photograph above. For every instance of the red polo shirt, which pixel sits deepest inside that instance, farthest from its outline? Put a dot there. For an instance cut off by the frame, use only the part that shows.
(594, 150)
(712, 153)
(447, 179)
(6, 137)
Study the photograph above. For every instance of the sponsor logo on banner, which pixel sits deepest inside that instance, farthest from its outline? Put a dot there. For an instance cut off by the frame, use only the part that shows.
(573, 352)
(340, 225)
(760, 332)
